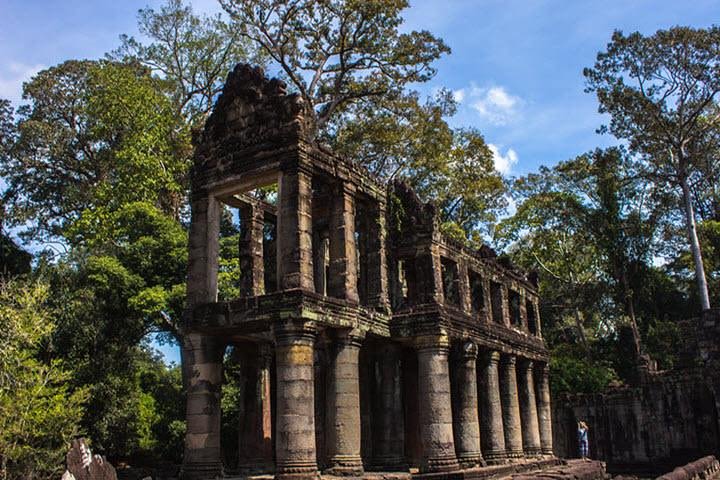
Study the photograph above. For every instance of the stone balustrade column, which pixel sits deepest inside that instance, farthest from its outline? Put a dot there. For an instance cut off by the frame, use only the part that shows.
(510, 407)
(466, 424)
(295, 408)
(343, 406)
(252, 270)
(342, 281)
(544, 408)
(491, 421)
(203, 356)
(528, 410)
(294, 231)
(389, 436)
(436, 425)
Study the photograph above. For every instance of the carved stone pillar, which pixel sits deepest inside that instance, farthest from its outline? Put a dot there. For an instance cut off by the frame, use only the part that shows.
(389, 431)
(294, 231)
(528, 410)
(466, 424)
(203, 250)
(510, 407)
(342, 281)
(252, 270)
(255, 440)
(203, 456)
(464, 287)
(295, 423)
(542, 374)
(436, 427)
(376, 277)
(491, 421)
(343, 406)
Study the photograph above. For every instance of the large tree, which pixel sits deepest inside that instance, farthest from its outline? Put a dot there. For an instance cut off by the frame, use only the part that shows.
(191, 53)
(338, 52)
(590, 226)
(93, 136)
(661, 93)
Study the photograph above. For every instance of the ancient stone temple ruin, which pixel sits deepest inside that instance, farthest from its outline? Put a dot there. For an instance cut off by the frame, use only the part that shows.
(368, 340)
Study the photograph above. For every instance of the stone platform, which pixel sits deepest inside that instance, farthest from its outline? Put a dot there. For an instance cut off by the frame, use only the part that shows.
(553, 468)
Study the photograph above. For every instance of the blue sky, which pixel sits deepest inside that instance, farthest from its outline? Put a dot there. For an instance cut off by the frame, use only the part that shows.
(516, 65)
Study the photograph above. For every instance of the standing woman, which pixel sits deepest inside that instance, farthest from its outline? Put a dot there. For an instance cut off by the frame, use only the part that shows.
(583, 439)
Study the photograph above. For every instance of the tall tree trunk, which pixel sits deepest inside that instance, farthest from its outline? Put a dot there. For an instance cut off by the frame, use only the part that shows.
(630, 310)
(693, 239)
(581, 331)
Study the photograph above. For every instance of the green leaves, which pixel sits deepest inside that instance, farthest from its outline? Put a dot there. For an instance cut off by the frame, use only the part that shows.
(661, 93)
(39, 412)
(337, 52)
(95, 136)
(191, 54)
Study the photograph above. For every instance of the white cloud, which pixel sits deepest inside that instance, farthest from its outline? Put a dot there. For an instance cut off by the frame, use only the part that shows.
(494, 104)
(459, 95)
(12, 77)
(503, 163)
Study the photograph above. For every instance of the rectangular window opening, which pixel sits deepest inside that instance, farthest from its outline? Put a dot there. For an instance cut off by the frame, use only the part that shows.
(531, 318)
(477, 295)
(514, 304)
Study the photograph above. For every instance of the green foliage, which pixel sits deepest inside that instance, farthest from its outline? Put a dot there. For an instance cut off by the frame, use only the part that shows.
(337, 52)
(39, 411)
(661, 93)
(124, 281)
(590, 226)
(93, 136)
(571, 373)
(190, 53)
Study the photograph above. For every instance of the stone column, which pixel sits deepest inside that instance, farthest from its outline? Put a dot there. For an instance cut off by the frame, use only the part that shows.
(436, 427)
(544, 408)
(320, 261)
(536, 307)
(466, 425)
(294, 231)
(343, 406)
(438, 293)
(528, 410)
(491, 421)
(255, 441)
(252, 270)
(203, 456)
(389, 429)
(342, 281)
(295, 423)
(510, 407)
(464, 287)
(376, 259)
(203, 250)
(523, 311)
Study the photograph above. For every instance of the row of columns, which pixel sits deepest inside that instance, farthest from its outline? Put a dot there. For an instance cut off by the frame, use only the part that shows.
(501, 411)
(295, 243)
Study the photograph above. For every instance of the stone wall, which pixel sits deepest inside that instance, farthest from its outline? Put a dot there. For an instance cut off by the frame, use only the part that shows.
(669, 418)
